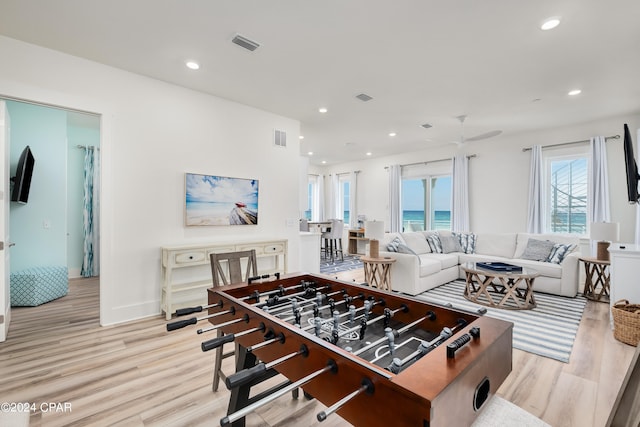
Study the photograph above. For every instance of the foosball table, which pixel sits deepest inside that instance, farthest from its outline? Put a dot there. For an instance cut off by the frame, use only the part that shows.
(374, 357)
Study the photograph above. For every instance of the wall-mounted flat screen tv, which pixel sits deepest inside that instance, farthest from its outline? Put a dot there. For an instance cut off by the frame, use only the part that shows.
(22, 180)
(631, 167)
(220, 200)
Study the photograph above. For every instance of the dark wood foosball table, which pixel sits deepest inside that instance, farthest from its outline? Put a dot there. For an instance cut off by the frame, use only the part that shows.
(376, 358)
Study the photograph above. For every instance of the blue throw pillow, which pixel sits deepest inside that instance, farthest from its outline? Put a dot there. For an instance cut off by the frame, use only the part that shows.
(467, 242)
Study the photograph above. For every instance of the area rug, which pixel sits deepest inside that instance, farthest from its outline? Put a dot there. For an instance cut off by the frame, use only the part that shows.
(350, 263)
(548, 330)
(498, 412)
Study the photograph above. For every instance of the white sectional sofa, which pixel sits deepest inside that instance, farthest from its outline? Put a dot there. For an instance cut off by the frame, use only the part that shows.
(418, 268)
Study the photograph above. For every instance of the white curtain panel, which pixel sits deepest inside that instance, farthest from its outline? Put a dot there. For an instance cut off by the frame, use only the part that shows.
(353, 197)
(460, 199)
(598, 193)
(536, 192)
(395, 195)
(320, 213)
(334, 209)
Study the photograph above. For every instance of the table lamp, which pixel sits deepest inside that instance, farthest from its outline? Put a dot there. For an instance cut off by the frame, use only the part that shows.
(604, 233)
(374, 231)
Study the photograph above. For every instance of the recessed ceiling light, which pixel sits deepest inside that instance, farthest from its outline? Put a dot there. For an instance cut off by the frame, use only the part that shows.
(193, 65)
(550, 23)
(310, 153)
(301, 137)
(323, 162)
(575, 92)
(369, 153)
(322, 110)
(392, 134)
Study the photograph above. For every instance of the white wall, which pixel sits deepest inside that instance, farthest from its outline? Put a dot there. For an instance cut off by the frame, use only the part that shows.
(152, 133)
(499, 176)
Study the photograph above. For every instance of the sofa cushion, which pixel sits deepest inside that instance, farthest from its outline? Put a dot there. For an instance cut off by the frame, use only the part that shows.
(450, 244)
(537, 250)
(547, 269)
(445, 260)
(429, 265)
(417, 242)
(496, 244)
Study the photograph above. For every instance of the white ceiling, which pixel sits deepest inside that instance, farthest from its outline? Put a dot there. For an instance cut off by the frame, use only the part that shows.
(423, 61)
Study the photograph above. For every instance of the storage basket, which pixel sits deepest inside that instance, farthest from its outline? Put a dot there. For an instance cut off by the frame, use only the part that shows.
(626, 322)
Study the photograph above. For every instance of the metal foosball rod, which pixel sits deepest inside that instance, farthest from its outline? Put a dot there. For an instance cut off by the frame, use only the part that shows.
(275, 299)
(367, 386)
(192, 321)
(233, 417)
(217, 342)
(279, 291)
(364, 323)
(246, 376)
(460, 324)
(425, 347)
(332, 304)
(352, 312)
(197, 309)
(294, 304)
(277, 338)
(272, 306)
(429, 316)
(244, 318)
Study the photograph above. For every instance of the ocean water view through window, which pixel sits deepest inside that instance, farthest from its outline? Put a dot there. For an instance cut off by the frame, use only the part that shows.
(426, 203)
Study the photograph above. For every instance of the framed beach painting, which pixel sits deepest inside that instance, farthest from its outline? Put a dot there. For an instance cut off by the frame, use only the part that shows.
(220, 200)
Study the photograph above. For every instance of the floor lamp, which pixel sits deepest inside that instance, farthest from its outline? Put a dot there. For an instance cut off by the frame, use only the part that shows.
(374, 231)
(604, 233)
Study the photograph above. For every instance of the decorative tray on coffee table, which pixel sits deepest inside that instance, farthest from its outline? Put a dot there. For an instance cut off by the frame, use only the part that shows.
(499, 266)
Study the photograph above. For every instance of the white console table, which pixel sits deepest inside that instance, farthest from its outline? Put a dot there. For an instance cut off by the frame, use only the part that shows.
(186, 269)
(625, 267)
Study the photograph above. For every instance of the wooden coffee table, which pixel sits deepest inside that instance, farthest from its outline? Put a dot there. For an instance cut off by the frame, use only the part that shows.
(500, 289)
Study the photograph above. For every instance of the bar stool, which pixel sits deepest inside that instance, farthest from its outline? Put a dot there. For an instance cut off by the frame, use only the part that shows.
(333, 239)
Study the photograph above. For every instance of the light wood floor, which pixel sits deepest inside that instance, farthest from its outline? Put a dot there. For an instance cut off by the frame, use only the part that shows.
(137, 374)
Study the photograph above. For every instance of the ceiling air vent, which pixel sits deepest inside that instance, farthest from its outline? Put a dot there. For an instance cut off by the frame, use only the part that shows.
(245, 42)
(426, 125)
(279, 138)
(364, 97)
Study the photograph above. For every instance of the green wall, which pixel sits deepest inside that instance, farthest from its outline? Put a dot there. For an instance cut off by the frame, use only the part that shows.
(39, 228)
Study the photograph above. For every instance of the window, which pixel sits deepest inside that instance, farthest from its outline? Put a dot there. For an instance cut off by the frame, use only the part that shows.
(311, 213)
(566, 201)
(343, 198)
(427, 201)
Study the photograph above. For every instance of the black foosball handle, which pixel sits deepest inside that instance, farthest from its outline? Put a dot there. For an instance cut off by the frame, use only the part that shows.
(217, 342)
(456, 345)
(188, 310)
(181, 324)
(245, 376)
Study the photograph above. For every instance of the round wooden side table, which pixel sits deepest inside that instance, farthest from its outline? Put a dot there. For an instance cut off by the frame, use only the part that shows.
(377, 271)
(597, 274)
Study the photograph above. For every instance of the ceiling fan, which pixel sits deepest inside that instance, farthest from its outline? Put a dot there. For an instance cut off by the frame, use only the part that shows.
(485, 135)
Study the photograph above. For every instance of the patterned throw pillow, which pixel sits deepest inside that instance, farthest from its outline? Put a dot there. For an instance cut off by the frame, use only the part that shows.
(435, 244)
(467, 242)
(537, 250)
(393, 245)
(559, 252)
